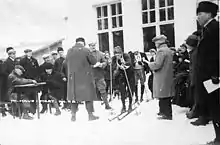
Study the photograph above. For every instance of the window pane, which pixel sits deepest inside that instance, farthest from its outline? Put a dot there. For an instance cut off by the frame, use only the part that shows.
(144, 4)
(152, 17)
(149, 33)
(114, 23)
(99, 24)
(105, 11)
(118, 39)
(144, 17)
(105, 23)
(168, 30)
(169, 2)
(152, 4)
(162, 3)
(98, 12)
(113, 7)
(170, 13)
(103, 42)
(119, 8)
(162, 15)
(120, 21)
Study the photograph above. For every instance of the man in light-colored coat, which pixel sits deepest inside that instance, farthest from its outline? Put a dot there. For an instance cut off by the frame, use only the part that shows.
(162, 68)
(80, 83)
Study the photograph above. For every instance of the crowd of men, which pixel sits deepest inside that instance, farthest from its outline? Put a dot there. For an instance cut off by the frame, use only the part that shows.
(87, 75)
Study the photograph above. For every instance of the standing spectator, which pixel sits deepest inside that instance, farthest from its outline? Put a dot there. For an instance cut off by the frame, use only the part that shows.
(98, 73)
(208, 62)
(59, 61)
(150, 79)
(7, 67)
(163, 77)
(54, 56)
(80, 83)
(32, 71)
(191, 43)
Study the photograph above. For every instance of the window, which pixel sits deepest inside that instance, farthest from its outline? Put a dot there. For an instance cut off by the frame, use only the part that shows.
(116, 14)
(103, 42)
(157, 18)
(166, 10)
(102, 15)
(110, 26)
(149, 34)
(118, 39)
(148, 11)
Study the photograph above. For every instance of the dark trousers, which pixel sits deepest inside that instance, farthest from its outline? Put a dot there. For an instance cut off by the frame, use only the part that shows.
(213, 101)
(88, 104)
(165, 106)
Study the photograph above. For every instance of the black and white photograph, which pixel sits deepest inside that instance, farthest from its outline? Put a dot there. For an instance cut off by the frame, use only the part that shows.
(109, 72)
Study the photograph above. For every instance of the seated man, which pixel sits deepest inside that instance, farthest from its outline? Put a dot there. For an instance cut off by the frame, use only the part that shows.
(15, 78)
(54, 88)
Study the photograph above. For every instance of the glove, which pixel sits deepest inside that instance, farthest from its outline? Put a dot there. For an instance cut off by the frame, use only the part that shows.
(215, 80)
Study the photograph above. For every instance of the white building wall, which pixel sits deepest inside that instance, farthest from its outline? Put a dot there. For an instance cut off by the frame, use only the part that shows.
(30, 21)
(185, 19)
(132, 25)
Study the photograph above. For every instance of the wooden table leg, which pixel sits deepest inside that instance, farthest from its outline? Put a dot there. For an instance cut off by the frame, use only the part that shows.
(38, 106)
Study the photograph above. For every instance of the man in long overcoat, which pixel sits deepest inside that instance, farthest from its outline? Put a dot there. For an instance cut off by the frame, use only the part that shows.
(208, 61)
(80, 82)
(163, 77)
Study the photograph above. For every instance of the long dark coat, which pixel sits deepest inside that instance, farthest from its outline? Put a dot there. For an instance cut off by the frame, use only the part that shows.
(80, 85)
(6, 68)
(208, 66)
(163, 73)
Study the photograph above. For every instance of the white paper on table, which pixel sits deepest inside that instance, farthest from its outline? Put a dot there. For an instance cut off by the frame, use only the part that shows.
(210, 87)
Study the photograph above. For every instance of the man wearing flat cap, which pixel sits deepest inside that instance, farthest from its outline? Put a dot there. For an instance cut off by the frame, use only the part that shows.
(80, 81)
(162, 68)
(98, 73)
(15, 78)
(208, 62)
(59, 61)
(123, 75)
(7, 67)
(31, 66)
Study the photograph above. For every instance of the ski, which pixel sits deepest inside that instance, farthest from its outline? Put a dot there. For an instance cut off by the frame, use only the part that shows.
(116, 116)
(130, 111)
(124, 114)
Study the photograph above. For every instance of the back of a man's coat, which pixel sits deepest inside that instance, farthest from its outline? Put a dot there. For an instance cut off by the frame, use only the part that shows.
(80, 85)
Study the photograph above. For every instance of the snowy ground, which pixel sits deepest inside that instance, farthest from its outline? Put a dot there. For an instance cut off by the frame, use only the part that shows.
(136, 129)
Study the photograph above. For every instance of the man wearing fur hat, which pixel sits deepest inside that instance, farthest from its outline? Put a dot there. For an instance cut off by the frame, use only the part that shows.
(123, 70)
(98, 73)
(80, 81)
(15, 78)
(162, 68)
(208, 62)
(54, 89)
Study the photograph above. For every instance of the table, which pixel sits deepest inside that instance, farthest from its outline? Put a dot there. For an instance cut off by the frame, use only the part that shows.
(31, 88)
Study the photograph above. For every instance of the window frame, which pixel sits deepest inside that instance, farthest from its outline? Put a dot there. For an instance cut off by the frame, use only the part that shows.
(110, 29)
(158, 23)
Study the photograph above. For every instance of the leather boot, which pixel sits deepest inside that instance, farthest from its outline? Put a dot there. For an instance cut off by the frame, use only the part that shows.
(56, 106)
(104, 97)
(92, 117)
(201, 121)
(73, 118)
(26, 116)
(44, 109)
